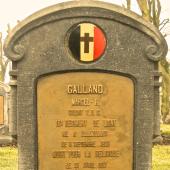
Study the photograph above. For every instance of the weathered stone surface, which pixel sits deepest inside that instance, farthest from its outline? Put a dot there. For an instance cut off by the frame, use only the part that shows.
(4, 108)
(6, 140)
(38, 47)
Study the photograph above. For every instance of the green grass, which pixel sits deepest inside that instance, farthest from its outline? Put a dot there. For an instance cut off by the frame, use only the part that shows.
(8, 158)
(161, 157)
(165, 129)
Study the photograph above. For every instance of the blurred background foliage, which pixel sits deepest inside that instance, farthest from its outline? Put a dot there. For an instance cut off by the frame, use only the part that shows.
(151, 11)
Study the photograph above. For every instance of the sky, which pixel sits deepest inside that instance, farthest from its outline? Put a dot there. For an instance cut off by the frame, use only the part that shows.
(13, 10)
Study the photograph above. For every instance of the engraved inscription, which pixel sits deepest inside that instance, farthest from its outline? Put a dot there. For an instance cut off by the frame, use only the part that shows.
(85, 121)
(85, 89)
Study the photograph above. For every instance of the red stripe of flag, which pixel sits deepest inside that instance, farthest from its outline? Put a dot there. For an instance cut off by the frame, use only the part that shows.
(99, 43)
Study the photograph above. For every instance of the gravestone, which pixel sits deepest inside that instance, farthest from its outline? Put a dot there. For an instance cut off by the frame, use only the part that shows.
(85, 86)
(5, 137)
(4, 108)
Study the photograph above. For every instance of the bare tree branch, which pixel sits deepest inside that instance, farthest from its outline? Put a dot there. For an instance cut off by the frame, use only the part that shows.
(163, 23)
(8, 29)
(143, 5)
(128, 4)
(1, 51)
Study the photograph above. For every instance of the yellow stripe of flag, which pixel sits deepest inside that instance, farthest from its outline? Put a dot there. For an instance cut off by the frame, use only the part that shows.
(84, 30)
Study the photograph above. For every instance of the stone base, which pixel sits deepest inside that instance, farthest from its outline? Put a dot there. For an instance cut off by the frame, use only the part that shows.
(4, 130)
(7, 140)
(158, 140)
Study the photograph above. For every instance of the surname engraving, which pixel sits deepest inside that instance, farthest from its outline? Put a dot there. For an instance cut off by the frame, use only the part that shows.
(85, 89)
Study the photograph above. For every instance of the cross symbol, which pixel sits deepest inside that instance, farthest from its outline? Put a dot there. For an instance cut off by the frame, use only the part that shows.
(86, 39)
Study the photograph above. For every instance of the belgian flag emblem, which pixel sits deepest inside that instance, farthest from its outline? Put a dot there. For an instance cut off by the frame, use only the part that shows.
(87, 42)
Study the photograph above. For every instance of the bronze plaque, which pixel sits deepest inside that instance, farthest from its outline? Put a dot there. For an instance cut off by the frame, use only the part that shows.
(85, 121)
(1, 110)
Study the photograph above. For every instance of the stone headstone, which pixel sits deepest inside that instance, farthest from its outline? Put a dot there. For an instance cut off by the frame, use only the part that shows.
(4, 108)
(84, 87)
